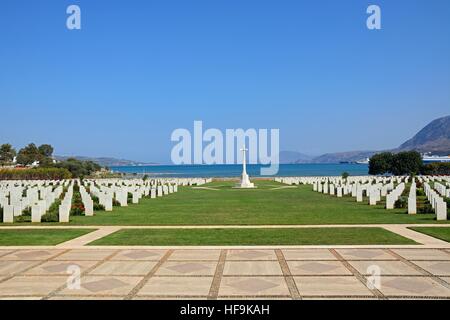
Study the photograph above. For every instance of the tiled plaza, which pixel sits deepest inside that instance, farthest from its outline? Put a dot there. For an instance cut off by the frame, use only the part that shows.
(223, 273)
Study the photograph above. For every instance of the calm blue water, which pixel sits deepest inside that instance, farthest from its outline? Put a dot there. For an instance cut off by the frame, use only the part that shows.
(235, 170)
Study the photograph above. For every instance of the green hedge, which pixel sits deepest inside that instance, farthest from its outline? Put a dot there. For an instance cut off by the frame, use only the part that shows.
(35, 174)
(437, 168)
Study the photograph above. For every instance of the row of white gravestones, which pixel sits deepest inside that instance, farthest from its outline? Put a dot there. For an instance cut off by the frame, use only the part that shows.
(441, 189)
(393, 196)
(39, 208)
(373, 187)
(105, 196)
(88, 203)
(17, 203)
(412, 198)
(116, 189)
(66, 205)
(437, 202)
(41, 194)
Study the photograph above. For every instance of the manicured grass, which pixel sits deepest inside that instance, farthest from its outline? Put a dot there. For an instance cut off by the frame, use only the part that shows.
(271, 203)
(222, 236)
(441, 233)
(39, 237)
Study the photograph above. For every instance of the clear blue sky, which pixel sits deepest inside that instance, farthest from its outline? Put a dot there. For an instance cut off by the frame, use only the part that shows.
(139, 69)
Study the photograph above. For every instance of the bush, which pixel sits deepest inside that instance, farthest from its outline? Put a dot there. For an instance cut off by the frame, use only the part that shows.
(345, 175)
(35, 174)
(426, 208)
(115, 203)
(420, 193)
(77, 210)
(27, 212)
(22, 218)
(402, 202)
(448, 202)
(99, 207)
(436, 168)
(380, 163)
(50, 217)
(409, 162)
(79, 168)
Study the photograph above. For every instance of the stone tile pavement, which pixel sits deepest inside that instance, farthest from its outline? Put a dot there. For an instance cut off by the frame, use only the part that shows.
(221, 273)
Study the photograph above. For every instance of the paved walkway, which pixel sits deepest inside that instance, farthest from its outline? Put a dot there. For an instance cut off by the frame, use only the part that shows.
(223, 273)
(273, 272)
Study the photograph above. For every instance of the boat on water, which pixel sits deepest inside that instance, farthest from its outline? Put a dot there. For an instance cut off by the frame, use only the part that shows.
(426, 158)
(364, 161)
(432, 158)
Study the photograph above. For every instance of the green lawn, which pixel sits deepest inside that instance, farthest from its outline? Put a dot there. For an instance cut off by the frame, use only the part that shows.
(271, 203)
(439, 232)
(264, 205)
(39, 237)
(288, 236)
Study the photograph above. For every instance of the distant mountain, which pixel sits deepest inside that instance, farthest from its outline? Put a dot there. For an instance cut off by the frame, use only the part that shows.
(294, 157)
(106, 162)
(434, 138)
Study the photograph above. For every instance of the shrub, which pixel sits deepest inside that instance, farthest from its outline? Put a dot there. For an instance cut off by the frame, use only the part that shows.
(448, 202)
(79, 168)
(345, 175)
(402, 202)
(22, 218)
(27, 212)
(99, 207)
(408, 162)
(35, 174)
(436, 168)
(115, 203)
(50, 217)
(77, 210)
(380, 163)
(426, 208)
(420, 192)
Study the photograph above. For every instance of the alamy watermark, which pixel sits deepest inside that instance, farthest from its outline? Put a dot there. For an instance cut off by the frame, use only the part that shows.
(374, 280)
(73, 21)
(374, 20)
(73, 281)
(212, 146)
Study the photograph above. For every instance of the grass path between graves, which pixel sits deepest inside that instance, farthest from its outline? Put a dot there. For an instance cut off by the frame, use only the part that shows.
(285, 236)
(440, 233)
(262, 206)
(39, 237)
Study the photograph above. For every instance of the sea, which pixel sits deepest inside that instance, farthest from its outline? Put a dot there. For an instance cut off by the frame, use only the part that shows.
(235, 170)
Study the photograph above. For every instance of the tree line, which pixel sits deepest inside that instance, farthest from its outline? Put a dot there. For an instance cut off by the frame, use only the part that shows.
(44, 156)
(405, 163)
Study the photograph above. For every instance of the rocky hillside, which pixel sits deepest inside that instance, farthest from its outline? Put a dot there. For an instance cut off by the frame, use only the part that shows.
(435, 138)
